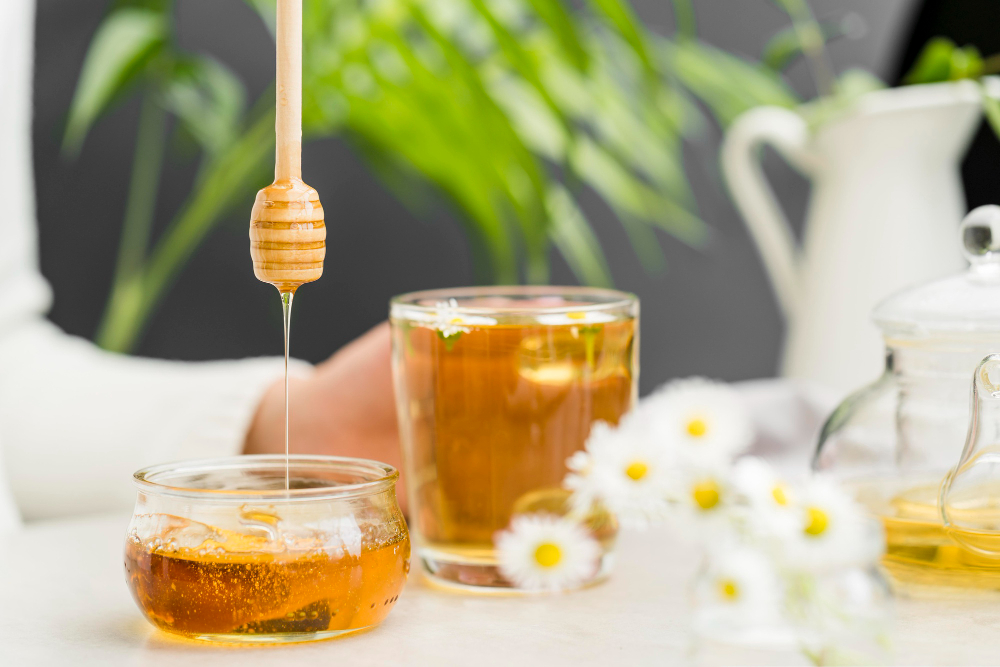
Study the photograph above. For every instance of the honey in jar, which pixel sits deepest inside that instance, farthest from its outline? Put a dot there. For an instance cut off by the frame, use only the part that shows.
(218, 550)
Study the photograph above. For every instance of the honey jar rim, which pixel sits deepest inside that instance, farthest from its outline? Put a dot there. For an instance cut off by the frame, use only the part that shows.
(166, 479)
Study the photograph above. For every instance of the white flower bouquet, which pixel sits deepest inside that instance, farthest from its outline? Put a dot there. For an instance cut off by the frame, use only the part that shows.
(782, 561)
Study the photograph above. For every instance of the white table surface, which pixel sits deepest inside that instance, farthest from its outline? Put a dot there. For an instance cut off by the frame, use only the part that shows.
(63, 601)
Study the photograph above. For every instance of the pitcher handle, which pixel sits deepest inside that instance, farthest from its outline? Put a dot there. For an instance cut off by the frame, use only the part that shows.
(788, 133)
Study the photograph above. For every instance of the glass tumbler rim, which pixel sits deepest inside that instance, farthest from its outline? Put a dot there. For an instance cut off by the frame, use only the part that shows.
(611, 299)
(382, 477)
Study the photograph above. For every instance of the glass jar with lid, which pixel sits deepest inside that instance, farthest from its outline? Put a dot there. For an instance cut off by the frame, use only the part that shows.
(895, 440)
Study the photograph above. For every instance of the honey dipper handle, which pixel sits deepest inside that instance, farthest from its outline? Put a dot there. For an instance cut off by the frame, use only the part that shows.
(288, 120)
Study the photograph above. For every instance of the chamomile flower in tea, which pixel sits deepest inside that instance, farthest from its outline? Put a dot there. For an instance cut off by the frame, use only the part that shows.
(579, 318)
(450, 323)
(547, 553)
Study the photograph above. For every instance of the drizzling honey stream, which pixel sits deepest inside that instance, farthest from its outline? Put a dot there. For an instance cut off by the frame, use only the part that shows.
(287, 225)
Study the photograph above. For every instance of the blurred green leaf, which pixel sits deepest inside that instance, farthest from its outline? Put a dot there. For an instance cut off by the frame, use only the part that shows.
(646, 148)
(623, 19)
(851, 85)
(991, 106)
(632, 199)
(684, 18)
(208, 99)
(942, 60)
(933, 63)
(230, 177)
(966, 63)
(554, 14)
(575, 239)
(854, 83)
(266, 9)
(517, 57)
(786, 45)
(712, 75)
(522, 179)
(645, 245)
(442, 117)
(533, 120)
(809, 35)
(162, 6)
(127, 39)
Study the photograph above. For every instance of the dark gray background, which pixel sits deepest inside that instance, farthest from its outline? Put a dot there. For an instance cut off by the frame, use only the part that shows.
(711, 312)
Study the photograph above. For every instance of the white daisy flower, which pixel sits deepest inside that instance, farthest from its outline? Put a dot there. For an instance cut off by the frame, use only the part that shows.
(704, 499)
(771, 500)
(580, 317)
(739, 592)
(450, 323)
(704, 419)
(761, 485)
(546, 552)
(454, 326)
(832, 531)
(629, 474)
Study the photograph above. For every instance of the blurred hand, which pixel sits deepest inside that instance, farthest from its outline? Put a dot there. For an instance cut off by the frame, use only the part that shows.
(346, 408)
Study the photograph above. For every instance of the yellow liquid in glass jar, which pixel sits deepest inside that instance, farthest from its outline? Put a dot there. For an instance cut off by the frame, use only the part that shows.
(921, 557)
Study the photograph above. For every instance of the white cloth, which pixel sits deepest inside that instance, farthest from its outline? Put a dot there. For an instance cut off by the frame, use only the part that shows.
(75, 421)
(787, 417)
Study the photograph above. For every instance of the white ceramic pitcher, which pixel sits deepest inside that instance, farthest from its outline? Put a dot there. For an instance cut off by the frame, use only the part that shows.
(886, 201)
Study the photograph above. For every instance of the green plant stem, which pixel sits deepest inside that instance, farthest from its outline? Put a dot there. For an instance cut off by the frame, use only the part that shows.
(537, 267)
(139, 210)
(813, 44)
(224, 178)
(687, 27)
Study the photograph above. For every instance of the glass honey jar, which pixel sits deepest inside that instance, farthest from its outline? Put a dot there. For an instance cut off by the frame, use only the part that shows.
(219, 550)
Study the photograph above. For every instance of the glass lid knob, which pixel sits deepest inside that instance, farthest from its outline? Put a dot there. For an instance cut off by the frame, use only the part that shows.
(970, 494)
(981, 238)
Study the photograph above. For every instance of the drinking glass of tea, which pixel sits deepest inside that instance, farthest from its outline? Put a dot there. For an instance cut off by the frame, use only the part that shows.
(496, 387)
(219, 550)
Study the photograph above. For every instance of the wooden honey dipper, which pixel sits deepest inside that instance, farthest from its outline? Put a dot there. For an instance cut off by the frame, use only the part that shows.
(287, 230)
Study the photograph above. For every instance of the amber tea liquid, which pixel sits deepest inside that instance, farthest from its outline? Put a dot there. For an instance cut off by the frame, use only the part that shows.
(489, 416)
(237, 589)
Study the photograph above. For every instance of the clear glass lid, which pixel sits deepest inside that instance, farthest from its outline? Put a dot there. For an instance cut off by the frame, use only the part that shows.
(967, 303)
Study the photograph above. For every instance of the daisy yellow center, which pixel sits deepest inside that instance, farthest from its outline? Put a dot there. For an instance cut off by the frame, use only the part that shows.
(576, 315)
(729, 590)
(455, 320)
(779, 495)
(817, 522)
(697, 427)
(636, 470)
(706, 494)
(548, 554)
